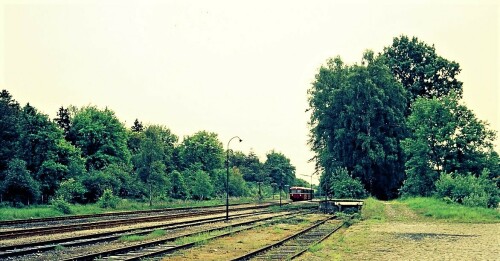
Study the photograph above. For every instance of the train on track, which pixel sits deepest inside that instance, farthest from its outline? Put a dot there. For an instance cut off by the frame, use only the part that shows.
(301, 193)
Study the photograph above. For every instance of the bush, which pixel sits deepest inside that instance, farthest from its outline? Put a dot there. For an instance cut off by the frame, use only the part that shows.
(108, 200)
(71, 191)
(61, 205)
(468, 190)
(344, 186)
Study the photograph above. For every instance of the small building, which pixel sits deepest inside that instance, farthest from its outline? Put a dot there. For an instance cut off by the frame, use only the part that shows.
(340, 205)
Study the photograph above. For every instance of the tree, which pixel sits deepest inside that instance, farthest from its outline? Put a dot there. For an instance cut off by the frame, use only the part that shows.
(202, 187)
(420, 70)
(279, 169)
(137, 127)
(63, 120)
(19, 186)
(357, 122)
(250, 166)
(48, 155)
(446, 137)
(203, 148)
(9, 129)
(154, 158)
(178, 187)
(237, 185)
(101, 137)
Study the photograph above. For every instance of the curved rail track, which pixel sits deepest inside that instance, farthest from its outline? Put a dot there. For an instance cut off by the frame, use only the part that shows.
(42, 246)
(112, 223)
(296, 244)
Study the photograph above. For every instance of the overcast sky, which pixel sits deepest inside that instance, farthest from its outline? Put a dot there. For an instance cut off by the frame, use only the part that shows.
(230, 67)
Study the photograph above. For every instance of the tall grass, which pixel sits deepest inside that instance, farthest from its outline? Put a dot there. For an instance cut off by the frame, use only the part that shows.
(453, 212)
(373, 210)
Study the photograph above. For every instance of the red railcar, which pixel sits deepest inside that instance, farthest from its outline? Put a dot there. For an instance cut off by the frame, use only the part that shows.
(301, 193)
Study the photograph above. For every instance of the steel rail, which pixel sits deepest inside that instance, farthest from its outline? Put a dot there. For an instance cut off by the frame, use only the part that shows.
(122, 251)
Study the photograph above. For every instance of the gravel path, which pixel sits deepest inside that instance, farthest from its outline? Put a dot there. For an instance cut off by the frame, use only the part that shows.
(404, 236)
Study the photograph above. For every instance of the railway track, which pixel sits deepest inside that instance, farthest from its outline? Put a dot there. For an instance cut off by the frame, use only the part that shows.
(44, 221)
(43, 246)
(168, 245)
(296, 244)
(111, 223)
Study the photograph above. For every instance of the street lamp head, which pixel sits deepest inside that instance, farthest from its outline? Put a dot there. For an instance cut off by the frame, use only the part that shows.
(241, 140)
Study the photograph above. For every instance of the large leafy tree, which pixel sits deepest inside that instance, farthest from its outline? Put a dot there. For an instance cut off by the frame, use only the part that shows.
(357, 122)
(49, 157)
(250, 166)
(279, 169)
(19, 186)
(446, 137)
(420, 70)
(202, 148)
(202, 185)
(154, 157)
(101, 137)
(9, 129)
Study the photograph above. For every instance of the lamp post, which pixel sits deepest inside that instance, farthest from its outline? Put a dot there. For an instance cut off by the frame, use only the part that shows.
(227, 176)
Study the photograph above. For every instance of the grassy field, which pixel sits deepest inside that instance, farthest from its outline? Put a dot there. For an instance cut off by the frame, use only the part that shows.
(41, 211)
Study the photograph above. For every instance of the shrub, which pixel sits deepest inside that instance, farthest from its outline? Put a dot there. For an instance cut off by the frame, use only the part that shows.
(61, 205)
(71, 191)
(108, 200)
(344, 186)
(468, 190)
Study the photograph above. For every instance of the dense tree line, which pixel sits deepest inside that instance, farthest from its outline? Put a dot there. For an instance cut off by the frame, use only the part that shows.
(394, 125)
(86, 152)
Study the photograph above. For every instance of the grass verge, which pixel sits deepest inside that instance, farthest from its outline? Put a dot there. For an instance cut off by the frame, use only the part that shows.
(451, 212)
(133, 238)
(44, 211)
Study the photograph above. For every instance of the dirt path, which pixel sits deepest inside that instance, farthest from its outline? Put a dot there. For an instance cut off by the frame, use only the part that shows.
(405, 236)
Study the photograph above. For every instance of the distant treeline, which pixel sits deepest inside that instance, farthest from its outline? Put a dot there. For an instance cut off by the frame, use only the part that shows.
(85, 151)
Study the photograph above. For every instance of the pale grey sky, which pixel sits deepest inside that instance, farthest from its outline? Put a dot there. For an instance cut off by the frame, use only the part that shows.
(230, 67)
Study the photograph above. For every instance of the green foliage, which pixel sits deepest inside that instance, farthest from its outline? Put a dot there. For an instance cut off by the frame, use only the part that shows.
(202, 187)
(71, 190)
(134, 238)
(250, 166)
(101, 137)
(19, 186)
(421, 71)
(97, 181)
(178, 187)
(446, 137)
(108, 200)
(9, 129)
(202, 148)
(61, 205)
(469, 190)
(357, 121)
(63, 120)
(451, 212)
(279, 169)
(342, 185)
(237, 185)
(373, 209)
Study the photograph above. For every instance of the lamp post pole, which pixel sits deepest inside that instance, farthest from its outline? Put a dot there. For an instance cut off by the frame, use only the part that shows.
(227, 176)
